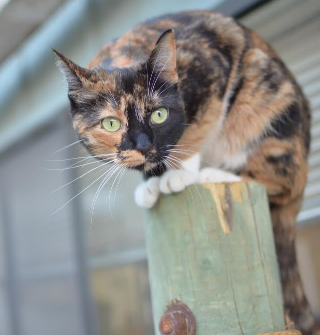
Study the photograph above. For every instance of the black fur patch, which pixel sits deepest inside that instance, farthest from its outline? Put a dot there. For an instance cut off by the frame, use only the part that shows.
(285, 159)
(236, 90)
(284, 164)
(271, 77)
(287, 124)
(155, 172)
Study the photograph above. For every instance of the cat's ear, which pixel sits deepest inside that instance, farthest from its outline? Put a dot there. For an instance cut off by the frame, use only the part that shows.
(163, 57)
(78, 78)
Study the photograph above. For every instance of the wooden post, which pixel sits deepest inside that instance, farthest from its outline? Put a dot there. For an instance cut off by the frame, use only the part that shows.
(211, 247)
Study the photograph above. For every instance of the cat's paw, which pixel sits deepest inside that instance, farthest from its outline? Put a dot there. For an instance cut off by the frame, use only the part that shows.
(211, 175)
(176, 181)
(147, 193)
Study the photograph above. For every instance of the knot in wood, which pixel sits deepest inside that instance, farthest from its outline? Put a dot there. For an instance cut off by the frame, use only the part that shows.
(178, 320)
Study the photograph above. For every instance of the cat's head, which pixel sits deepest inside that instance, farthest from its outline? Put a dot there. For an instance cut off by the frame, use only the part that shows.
(135, 113)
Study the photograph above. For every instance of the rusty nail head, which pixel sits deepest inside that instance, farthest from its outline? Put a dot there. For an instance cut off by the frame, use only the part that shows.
(167, 324)
(178, 320)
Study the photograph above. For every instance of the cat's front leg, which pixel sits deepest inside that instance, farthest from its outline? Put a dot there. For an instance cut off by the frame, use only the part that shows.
(212, 175)
(173, 181)
(147, 193)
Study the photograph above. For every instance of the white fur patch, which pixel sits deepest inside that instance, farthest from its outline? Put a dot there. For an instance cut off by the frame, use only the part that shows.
(176, 181)
(192, 164)
(220, 156)
(147, 193)
(211, 175)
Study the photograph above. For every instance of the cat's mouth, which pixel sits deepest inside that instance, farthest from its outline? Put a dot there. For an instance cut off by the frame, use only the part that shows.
(136, 160)
(139, 165)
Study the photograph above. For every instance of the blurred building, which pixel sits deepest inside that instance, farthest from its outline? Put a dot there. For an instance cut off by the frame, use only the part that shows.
(75, 272)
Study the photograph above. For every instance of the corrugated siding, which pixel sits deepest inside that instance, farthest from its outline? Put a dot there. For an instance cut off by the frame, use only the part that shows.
(292, 27)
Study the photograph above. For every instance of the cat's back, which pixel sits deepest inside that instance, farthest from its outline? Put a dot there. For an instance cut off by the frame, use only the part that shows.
(197, 33)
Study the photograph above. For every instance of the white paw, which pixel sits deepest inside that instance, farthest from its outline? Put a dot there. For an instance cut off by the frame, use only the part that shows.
(211, 175)
(176, 181)
(147, 193)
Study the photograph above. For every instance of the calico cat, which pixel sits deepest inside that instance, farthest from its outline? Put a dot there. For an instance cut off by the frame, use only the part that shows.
(208, 100)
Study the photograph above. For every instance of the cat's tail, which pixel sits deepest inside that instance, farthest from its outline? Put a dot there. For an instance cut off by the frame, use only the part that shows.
(295, 303)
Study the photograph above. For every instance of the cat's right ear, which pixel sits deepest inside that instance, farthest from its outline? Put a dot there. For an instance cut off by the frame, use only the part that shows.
(78, 78)
(163, 57)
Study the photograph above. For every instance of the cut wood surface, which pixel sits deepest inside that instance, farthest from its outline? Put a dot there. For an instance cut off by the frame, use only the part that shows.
(211, 247)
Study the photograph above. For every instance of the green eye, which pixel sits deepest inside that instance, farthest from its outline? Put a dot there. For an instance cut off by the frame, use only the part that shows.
(111, 124)
(159, 115)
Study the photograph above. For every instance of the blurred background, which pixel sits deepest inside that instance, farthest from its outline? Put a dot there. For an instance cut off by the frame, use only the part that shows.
(62, 274)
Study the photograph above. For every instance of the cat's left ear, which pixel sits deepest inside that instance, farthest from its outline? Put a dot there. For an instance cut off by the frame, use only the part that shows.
(163, 57)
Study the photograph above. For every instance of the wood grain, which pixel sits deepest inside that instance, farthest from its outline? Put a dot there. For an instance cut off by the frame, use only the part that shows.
(212, 248)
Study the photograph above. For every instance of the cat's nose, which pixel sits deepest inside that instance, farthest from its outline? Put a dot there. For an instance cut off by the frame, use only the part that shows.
(143, 143)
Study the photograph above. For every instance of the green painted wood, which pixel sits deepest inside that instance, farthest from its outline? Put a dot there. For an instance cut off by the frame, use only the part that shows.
(229, 280)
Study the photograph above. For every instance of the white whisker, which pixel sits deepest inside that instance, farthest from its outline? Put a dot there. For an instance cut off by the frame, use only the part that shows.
(74, 166)
(181, 151)
(154, 66)
(68, 146)
(180, 161)
(105, 85)
(86, 157)
(155, 81)
(166, 82)
(97, 167)
(121, 176)
(110, 210)
(101, 186)
(177, 160)
(166, 89)
(188, 187)
(79, 193)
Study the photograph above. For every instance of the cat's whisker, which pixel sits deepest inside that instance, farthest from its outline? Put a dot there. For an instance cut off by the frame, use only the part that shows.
(81, 160)
(168, 165)
(109, 171)
(188, 145)
(95, 168)
(101, 186)
(155, 81)
(166, 89)
(68, 146)
(104, 98)
(154, 66)
(204, 206)
(78, 194)
(110, 192)
(181, 151)
(166, 82)
(176, 160)
(175, 165)
(74, 166)
(117, 186)
(188, 154)
(183, 142)
(85, 157)
(105, 85)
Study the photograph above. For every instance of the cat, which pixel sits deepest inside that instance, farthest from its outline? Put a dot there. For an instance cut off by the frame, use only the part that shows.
(197, 97)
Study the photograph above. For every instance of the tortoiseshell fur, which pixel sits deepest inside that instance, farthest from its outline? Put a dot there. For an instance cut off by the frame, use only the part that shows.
(230, 99)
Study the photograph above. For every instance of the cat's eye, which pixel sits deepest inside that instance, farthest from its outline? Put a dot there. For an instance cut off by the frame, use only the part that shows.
(159, 115)
(111, 124)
